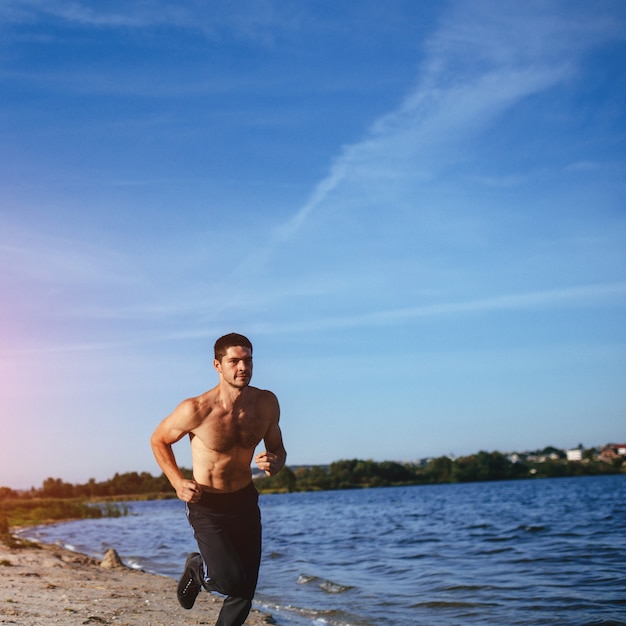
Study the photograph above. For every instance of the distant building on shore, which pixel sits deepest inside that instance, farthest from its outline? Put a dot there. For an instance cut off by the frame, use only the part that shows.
(576, 454)
(612, 451)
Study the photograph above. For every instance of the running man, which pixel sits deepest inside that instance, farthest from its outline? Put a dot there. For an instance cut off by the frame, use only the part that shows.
(224, 425)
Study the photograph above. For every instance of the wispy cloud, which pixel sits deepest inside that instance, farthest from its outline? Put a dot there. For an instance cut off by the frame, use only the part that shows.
(478, 65)
(593, 295)
(375, 207)
(78, 13)
(39, 258)
(249, 20)
(472, 73)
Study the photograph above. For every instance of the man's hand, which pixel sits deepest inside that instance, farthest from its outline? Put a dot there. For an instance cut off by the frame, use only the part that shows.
(268, 462)
(188, 490)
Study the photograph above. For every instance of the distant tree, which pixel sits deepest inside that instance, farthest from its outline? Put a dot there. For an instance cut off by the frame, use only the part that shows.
(56, 488)
(284, 481)
(392, 473)
(589, 454)
(465, 469)
(439, 470)
(549, 450)
(7, 492)
(553, 469)
(344, 473)
(314, 478)
(493, 466)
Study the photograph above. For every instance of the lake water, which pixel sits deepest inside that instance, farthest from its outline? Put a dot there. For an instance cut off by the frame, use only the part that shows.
(516, 552)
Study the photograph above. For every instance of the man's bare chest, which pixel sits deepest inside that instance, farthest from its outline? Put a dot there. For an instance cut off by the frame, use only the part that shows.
(222, 430)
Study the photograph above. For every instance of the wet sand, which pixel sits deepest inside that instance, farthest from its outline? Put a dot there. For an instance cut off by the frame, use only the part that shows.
(49, 585)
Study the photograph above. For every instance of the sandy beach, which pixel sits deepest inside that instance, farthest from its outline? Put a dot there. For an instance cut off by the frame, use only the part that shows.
(45, 584)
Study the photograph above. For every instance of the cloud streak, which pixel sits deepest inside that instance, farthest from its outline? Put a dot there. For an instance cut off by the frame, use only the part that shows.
(452, 101)
(592, 295)
(255, 21)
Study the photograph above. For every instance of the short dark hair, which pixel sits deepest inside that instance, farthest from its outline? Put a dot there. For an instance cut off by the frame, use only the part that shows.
(227, 341)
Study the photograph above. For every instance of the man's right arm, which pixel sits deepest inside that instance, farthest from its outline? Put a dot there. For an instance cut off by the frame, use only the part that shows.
(172, 429)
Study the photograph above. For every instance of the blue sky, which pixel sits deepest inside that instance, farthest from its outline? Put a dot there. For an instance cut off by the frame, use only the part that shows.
(415, 210)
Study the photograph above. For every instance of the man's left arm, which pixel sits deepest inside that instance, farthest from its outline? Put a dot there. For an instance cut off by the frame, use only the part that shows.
(272, 460)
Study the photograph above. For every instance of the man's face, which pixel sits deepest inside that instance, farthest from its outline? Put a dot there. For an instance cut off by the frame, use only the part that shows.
(236, 366)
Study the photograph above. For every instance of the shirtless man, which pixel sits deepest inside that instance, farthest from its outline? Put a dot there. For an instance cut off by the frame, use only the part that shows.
(224, 426)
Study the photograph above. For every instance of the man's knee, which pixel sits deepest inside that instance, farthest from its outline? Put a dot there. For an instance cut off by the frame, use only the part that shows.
(231, 581)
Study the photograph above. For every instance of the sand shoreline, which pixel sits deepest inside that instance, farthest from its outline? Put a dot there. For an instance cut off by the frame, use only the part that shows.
(47, 584)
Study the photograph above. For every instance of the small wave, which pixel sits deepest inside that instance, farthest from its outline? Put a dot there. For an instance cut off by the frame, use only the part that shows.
(413, 557)
(301, 616)
(411, 541)
(465, 588)
(501, 539)
(532, 528)
(133, 564)
(568, 535)
(494, 551)
(303, 579)
(330, 587)
(325, 585)
(441, 604)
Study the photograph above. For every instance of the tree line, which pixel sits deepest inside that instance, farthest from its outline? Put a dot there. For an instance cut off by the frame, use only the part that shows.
(344, 474)
(127, 484)
(483, 466)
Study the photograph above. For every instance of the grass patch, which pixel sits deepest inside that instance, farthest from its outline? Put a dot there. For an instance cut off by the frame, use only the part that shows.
(16, 512)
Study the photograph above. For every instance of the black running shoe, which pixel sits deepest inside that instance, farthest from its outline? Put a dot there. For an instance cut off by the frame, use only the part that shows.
(190, 582)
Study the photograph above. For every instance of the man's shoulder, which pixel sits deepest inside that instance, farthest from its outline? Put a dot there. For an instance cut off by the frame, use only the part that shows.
(266, 401)
(201, 403)
(262, 394)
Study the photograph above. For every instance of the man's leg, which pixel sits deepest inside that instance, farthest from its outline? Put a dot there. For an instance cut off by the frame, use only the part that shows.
(230, 544)
(234, 611)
